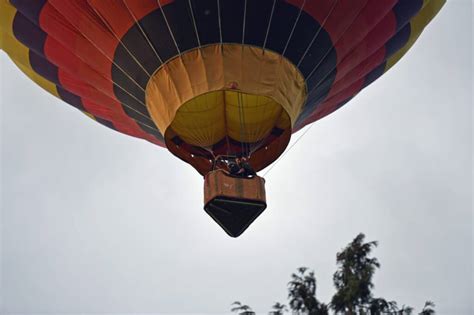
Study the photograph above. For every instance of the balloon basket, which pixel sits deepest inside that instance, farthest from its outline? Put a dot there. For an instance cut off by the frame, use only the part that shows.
(233, 202)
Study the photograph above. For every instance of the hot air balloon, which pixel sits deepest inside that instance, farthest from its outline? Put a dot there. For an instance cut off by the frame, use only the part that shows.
(211, 80)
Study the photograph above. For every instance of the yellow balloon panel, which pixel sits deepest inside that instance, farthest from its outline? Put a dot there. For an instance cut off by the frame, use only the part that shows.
(247, 69)
(209, 118)
(201, 120)
(250, 117)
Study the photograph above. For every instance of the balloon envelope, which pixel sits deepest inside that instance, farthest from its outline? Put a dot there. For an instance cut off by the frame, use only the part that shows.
(210, 77)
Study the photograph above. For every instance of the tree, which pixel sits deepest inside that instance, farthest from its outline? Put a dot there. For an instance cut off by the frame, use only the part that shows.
(353, 279)
(428, 309)
(241, 309)
(302, 293)
(278, 309)
(323, 309)
(353, 282)
(405, 310)
(378, 306)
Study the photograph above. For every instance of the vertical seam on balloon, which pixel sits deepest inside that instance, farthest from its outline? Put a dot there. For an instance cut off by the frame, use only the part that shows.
(263, 52)
(143, 31)
(220, 23)
(355, 46)
(86, 63)
(268, 27)
(384, 61)
(239, 95)
(110, 29)
(104, 54)
(259, 130)
(199, 135)
(172, 81)
(168, 26)
(99, 91)
(242, 145)
(293, 29)
(318, 32)
(333, 47)
(226, 124)
(123, 104)
(194, 23)
(244, 21)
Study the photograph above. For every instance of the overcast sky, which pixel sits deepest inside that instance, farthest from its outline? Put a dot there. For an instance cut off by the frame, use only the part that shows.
(94, 221)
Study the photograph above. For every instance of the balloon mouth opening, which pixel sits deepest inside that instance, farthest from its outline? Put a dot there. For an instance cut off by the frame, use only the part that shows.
(232, 123)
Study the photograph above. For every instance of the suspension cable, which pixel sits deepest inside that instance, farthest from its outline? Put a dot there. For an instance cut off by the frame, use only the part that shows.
(289, 149)
(242, 140)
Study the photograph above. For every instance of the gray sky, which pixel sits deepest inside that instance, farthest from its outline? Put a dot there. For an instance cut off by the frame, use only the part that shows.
(94, 221)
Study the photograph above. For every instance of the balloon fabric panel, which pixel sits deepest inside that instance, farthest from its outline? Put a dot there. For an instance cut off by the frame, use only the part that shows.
(101, 55)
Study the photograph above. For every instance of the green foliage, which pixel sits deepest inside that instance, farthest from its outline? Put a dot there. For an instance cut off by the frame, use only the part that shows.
(241, 309)
(353, 279)
(353, 282)
(428, 309)
(302, 293)
(278, 309)
(378, 306)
